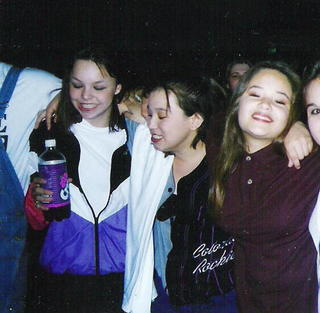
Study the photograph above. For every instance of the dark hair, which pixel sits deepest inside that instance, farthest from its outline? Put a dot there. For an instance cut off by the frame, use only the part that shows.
(311, 72)
(68, 115)
(200, 95)
(234, 62)
(233, 143)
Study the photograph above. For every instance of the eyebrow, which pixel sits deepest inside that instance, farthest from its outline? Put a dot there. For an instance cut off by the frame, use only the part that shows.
(284, 94)
(238, 71)
(312, 105)
(96, 82)
(157, 109)
(279, 92)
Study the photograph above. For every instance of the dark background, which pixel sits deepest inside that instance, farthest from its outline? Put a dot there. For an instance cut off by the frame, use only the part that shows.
(155, 35)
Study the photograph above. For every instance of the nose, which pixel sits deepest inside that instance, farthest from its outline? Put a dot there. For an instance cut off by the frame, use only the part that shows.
(86, 93)
(152, 122)
(266, 103)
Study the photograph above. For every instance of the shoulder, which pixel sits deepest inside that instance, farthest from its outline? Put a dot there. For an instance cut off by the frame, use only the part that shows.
(4, 69)
(131, 128)
(305, 180)
(33, 76)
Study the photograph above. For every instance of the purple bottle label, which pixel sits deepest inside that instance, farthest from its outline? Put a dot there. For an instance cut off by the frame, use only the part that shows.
(57, 182)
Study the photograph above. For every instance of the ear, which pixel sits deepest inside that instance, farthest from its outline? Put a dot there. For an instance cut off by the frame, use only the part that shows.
(196, 121)
(118, 89)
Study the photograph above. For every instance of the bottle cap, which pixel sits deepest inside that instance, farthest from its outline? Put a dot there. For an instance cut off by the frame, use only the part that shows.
(50, 143)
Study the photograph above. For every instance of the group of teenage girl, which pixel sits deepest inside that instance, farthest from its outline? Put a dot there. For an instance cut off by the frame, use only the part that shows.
(165, 219)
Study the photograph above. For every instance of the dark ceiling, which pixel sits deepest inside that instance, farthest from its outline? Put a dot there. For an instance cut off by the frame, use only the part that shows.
(40, 33)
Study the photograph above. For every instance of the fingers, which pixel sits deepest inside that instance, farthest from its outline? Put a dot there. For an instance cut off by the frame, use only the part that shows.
(298, 152)
(38, 180)
(301, 152)
(40, 195)
(51, 111)
(309, 146)
(304, 146)
(294, 162)
(41, 117)
(40, 206)
(48, 122)
(50, 116)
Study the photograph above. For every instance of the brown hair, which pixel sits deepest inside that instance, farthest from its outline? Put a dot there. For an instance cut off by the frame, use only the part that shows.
(68, 115)
(233, 142)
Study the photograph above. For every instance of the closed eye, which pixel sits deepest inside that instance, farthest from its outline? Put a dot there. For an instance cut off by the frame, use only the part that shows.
(255, 95)
(235, 76)
(77, 86)
(100, 88)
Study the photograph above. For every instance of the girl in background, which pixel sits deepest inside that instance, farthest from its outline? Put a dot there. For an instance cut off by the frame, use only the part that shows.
(131, 106)
(264, 204)
(235, 70)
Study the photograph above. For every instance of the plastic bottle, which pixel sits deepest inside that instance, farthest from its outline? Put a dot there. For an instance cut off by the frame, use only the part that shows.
(52, 167)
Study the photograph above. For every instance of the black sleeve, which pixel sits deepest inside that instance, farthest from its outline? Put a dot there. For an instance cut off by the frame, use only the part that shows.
(38, 137)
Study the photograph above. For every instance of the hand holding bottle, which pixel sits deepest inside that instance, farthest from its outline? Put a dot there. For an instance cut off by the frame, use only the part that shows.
(40, 195)
(53, 171)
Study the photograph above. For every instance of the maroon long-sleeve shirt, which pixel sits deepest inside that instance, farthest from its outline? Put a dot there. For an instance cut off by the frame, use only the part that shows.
(267, 209)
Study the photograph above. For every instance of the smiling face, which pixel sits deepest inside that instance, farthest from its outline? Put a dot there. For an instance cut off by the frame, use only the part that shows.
(171, 130)
(91, 92)
(264, 108)
(312, 101)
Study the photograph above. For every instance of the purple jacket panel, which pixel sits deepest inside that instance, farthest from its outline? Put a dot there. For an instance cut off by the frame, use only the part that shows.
(69, 246)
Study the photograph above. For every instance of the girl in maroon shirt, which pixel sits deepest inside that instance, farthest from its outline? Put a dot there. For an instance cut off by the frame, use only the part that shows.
(264, 204)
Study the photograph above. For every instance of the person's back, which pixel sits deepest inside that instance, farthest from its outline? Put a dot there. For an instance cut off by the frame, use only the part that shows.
(32, 92)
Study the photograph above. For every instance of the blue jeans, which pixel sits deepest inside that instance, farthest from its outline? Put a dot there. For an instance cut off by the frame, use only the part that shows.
(12, 238)
(218, 304)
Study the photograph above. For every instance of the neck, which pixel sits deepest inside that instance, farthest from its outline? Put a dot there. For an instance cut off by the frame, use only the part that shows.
(185, 163)
(191, 153)
(252, 146)
(98, 123)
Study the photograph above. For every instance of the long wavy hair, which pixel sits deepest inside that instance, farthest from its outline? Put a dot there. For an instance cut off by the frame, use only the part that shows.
(233, 145)
(67, 114)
